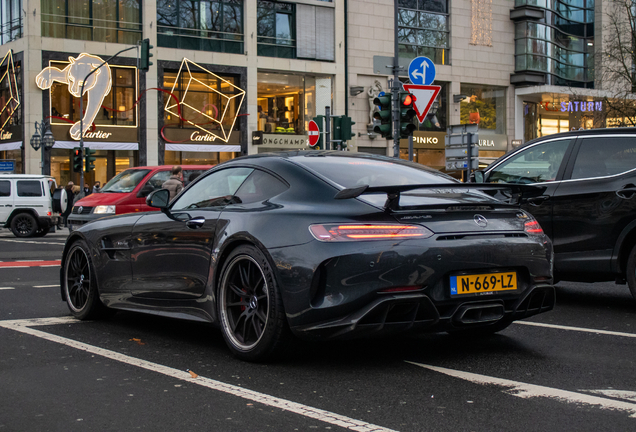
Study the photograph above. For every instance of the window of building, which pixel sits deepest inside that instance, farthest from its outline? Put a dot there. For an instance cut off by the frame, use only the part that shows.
(201, 106)
(204, 25)
(11, 19)
(485, 106)
(93, 20)
(276, 29)
(286, 102)
(10, 115)
(423, 29)
(118, 107)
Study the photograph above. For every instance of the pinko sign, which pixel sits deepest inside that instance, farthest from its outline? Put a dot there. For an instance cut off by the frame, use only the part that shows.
(581, 106)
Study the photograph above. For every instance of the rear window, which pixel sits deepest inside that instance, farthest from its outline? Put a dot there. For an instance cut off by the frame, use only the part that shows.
(349, 172)
(125, 181)
(29, 188)
(5, 188)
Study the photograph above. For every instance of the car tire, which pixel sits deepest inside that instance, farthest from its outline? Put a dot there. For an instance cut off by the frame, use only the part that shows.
(250, 307)
(24, 225)
(483, 330)
(80, 284)
(42, 231)
(631, 272)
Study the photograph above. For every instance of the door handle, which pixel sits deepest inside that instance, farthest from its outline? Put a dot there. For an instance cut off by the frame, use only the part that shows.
(196, 222)
(537, 201)
(626, 192)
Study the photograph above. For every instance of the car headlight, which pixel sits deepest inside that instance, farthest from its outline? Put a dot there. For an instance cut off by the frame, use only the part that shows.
(104, 209)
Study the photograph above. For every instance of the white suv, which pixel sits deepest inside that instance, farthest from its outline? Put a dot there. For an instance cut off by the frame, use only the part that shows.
(30, 204)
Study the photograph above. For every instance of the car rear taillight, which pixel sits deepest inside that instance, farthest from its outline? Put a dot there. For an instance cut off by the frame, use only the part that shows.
(48, 213)
(533, 227)
(364, 232)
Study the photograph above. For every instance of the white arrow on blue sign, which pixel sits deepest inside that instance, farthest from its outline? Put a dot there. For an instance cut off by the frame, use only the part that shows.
(422, 71)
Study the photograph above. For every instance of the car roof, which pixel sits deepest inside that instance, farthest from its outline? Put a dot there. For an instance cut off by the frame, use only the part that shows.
(26, 176)
(576, 133)
(169, 167)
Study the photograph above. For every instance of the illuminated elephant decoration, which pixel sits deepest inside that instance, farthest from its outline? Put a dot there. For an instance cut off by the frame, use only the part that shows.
(96, 87)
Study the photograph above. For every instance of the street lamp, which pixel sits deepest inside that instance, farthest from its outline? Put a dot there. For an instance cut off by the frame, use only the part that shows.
(46, 142)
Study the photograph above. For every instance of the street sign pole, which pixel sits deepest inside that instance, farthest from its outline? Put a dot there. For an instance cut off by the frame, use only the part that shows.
(396, 84)
(327, 128)
(411, 148)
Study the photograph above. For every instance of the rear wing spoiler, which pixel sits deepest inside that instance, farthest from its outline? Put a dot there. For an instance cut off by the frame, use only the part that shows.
(507, 193)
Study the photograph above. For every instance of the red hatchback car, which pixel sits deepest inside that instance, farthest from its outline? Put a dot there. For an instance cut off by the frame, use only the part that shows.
(127, 192)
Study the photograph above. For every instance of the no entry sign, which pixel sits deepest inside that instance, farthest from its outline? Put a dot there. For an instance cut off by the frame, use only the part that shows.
(313, 132)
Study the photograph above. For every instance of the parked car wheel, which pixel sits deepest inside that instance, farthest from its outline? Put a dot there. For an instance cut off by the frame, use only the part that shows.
(631, 272)
(80, 286)
(250, 306)
(24, 225)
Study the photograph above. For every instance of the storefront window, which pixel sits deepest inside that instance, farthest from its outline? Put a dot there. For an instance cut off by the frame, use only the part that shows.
(116, 21)
(287, 102)
(108, 163)
(485, 106)
(434, 158)
(205, 25)
(198, 158)
(118, 107)
(276, 24)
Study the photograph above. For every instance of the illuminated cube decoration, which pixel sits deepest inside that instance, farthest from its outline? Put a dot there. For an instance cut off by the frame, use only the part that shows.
(207, 101)
(10, 98)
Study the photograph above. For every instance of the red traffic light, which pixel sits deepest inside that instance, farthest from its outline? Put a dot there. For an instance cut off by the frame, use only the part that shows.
(407, 100)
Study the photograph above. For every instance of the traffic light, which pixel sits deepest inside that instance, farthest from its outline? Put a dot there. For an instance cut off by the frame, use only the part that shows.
(145, 63)
(337, 122)
(78, 160)
(345, 128)
(384, 115)
(319, 119)
(89, 159)
(406, 114)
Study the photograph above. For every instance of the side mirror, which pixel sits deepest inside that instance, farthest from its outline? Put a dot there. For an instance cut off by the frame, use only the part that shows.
(159, 199)
(145, 191)
(479, 176)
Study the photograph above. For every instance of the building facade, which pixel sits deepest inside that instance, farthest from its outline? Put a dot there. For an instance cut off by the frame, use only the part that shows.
(224, 69)
(221, 70)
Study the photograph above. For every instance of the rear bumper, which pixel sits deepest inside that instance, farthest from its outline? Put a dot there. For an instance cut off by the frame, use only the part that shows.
(48, 221)
(418, 313)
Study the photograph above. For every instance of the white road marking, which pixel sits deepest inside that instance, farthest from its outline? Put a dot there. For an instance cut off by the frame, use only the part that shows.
(6, 288)
(526, 391)
(24, 326)
(31, 242)
(46, 286)
(616, 394)
(579, 329)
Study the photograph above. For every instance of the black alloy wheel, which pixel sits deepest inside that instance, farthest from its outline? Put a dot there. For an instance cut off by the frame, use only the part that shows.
(24, 225)
(80, 287)
(250, 308)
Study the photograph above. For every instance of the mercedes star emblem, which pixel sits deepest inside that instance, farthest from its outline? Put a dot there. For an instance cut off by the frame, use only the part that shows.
(481, 221)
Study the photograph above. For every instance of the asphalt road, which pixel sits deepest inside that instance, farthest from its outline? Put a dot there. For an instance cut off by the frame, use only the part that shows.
(571, 369)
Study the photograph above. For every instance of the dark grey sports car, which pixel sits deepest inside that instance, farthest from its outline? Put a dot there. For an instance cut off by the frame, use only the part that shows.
(318, 245)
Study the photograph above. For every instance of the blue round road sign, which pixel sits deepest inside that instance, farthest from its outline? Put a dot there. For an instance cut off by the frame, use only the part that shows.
(422, 71)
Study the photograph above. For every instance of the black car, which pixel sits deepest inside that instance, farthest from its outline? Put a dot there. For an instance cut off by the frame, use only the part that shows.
(325, 244)
(588, 208)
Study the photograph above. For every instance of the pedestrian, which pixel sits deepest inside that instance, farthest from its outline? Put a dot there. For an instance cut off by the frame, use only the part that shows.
(96, 187)
(77, 191)
(175, 183)
(87, 190)
(70, 197)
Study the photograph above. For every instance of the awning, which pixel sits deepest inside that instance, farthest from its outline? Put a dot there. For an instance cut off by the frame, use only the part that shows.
(203, 148)
(11, 146)
(97, 145)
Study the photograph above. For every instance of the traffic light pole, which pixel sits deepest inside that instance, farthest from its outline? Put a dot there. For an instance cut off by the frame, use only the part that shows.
(396, 84)
(82, 110)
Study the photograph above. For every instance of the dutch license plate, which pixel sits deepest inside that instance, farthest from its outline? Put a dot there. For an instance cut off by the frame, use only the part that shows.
(480, 283)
